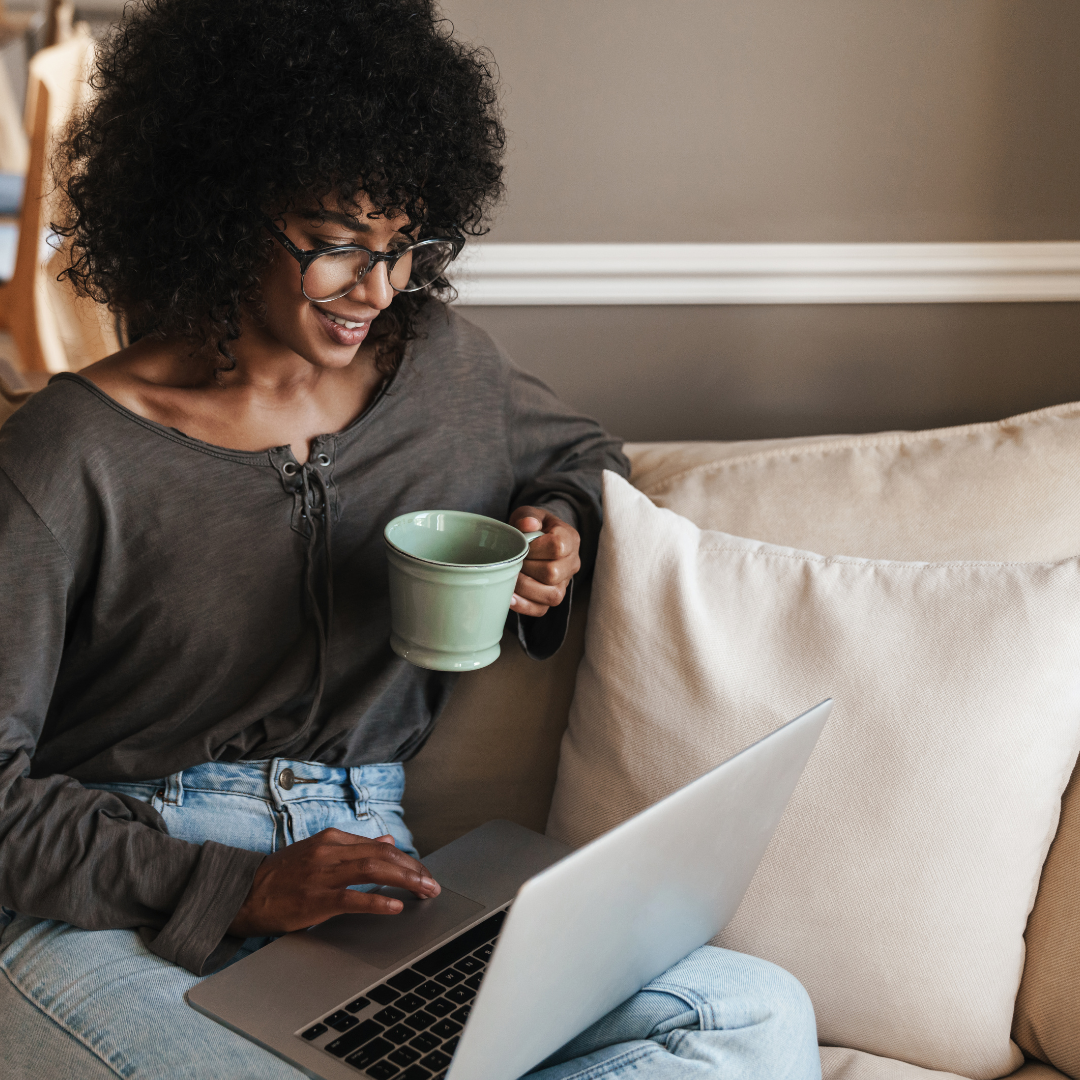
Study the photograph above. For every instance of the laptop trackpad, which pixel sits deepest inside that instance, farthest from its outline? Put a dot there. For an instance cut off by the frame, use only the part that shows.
(384, 940)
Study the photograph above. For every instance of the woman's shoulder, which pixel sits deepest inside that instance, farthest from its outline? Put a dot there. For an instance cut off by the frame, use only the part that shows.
(58, 419)
(447, 334)
(47, 445)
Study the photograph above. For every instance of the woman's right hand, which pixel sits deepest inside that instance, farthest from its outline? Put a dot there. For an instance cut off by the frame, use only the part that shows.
(308, 882)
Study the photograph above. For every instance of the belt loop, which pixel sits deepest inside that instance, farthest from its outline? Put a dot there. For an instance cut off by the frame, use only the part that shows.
(361, 795)
(174, 789)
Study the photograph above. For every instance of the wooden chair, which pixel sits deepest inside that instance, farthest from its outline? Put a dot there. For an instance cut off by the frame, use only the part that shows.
(19, 308)
(54, 330)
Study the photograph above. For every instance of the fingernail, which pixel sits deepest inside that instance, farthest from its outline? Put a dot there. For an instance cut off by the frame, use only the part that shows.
(395, 905)
(429, 884)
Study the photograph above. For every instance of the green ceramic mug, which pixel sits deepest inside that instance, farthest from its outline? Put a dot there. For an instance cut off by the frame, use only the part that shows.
(451, 578)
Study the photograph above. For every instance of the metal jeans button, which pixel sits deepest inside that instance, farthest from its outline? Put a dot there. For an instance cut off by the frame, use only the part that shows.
(286, 779)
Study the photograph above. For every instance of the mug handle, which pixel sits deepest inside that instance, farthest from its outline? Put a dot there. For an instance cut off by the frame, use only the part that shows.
(531, 536)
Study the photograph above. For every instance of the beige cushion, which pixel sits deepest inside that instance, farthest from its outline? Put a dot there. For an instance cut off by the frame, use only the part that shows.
(840, 1064)
(494, 752)
(1006, 490)
(898, 884)
(1047, 1020)
(998, 491)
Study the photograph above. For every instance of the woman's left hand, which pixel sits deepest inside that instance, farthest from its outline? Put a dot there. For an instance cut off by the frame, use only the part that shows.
(552, 561)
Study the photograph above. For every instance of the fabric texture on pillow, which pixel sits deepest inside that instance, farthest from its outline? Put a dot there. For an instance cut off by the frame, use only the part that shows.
(954, 493)
(839, 1063)
(1047, 1020)
(899, 882)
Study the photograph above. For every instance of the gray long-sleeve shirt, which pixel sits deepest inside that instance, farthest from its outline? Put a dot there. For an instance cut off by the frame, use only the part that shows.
(156, 613)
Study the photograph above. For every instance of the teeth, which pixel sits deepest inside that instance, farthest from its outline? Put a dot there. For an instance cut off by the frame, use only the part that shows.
(344, 322)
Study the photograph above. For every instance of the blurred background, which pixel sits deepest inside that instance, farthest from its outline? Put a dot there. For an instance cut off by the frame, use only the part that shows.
(779, 121)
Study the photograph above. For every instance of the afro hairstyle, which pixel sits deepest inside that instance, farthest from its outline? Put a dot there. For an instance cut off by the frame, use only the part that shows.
(209, 114)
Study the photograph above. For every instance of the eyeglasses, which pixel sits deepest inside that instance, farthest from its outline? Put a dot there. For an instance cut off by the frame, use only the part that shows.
(329, 272)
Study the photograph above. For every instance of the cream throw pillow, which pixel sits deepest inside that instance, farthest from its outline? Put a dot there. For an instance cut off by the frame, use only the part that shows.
(899, 882)
(954, 493)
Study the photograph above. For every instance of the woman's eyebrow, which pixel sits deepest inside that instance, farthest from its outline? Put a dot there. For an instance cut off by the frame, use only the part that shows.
(337, 219)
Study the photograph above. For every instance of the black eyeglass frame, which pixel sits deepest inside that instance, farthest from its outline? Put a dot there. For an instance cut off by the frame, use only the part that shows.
(306, 258)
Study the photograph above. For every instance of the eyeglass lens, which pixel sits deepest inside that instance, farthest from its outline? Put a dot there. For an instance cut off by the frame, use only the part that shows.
(332, 275)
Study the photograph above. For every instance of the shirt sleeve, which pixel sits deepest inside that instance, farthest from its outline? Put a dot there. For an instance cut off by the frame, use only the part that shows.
(559, 458)
(94, 859)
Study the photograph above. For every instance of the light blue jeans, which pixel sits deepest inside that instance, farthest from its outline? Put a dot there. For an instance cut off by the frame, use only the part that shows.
(97, 1004)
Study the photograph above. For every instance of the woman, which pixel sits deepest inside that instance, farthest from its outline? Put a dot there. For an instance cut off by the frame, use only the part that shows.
(201, 722)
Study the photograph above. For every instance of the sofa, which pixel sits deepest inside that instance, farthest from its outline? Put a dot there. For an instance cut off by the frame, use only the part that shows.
(495, 752)
(997, 495)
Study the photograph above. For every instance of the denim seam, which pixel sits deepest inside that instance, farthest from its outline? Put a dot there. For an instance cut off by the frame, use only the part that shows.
(218, 791)
(89, 1047)
(609, 1065)
(700, 1005)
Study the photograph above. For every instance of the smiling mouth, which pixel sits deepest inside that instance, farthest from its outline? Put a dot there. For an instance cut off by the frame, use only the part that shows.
(345, 322)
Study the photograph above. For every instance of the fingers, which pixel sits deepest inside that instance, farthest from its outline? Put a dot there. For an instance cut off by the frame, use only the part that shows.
(552, 561)
(345, 860)
(527, 524)
(532, 598)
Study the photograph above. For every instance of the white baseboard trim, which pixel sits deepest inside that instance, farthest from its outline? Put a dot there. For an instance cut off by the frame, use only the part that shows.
(574, 274)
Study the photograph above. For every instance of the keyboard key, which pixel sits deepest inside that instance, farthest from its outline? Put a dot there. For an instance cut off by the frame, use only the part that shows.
(450, 1045)
(405, 1055)
(469, 964)
(425, 1042)
(405, 980)
(409, 1003)
(358, 1004)
(460, 946)
(382, 1070)
(462, 1014)
(415, 1073)
(399, 1034)
(340, 1021)
(314, 1032)
(369, 1054)
(435, 1061)
(440, 1007)
(383, 995)
(445, 1028)
(475, 980)
(484, 953)
(389, 1015)
(460, 994)
(346, 1044)
(450, 977)
(430, 990)
(420, 1020)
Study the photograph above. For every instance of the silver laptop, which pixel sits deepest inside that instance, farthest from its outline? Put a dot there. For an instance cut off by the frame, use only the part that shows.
(528, 943)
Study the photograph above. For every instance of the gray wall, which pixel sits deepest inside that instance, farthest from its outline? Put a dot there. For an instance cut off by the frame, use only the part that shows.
(789, 120)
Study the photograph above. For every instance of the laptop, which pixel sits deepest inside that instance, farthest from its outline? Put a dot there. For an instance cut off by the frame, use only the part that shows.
(529, 941)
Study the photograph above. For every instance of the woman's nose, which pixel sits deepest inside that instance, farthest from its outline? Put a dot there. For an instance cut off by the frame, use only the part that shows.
(374, 287)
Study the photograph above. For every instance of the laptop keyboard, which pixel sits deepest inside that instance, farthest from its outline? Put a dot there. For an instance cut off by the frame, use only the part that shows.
(407, 1027)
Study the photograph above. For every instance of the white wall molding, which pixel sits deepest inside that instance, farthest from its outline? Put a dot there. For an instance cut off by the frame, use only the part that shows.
(563, 274)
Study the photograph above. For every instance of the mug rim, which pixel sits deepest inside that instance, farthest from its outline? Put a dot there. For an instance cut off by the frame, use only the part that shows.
(454, 565)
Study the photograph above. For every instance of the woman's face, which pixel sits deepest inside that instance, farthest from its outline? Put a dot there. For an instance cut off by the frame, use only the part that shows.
(329, 334)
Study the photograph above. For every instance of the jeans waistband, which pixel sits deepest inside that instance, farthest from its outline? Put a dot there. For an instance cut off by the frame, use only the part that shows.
(283, 780)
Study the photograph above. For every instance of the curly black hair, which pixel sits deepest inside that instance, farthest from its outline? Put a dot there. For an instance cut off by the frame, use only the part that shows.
(209, 114)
